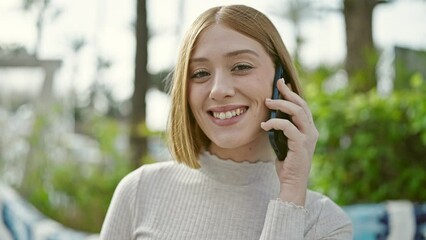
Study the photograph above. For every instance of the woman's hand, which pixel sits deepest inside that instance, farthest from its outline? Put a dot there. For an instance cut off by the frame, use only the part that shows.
(302, 136)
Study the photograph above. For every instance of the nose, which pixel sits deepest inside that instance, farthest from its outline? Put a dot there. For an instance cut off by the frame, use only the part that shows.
(223, 86)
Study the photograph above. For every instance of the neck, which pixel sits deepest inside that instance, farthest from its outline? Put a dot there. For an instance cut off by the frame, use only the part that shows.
(239, 173)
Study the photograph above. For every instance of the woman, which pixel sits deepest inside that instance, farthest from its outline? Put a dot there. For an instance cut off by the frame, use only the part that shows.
(226, 182)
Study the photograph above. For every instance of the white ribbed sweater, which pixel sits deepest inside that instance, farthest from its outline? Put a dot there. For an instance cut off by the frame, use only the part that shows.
(221, 200)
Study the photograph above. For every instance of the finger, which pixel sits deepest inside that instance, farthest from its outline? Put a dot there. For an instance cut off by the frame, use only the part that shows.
(295, 139)
(297, 113)
(295, 98)
(289, 129)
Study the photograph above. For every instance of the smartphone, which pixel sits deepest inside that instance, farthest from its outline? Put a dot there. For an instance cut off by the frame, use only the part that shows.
(276, 137)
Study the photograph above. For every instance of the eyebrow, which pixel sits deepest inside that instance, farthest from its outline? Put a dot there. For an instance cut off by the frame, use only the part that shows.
(227, 55)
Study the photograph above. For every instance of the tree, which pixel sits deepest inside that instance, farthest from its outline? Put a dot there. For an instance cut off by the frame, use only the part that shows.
(296, 12)
(361, 57)
(42, 7)
(138, 142)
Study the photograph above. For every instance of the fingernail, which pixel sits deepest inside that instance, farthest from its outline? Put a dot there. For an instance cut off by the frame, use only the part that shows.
(282, 80)
(268, 100)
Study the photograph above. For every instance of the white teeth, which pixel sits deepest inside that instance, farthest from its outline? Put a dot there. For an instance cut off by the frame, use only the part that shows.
(228, 114)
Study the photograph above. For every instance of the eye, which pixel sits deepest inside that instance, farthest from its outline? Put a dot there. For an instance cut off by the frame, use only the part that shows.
(241, 67)
(200, 73)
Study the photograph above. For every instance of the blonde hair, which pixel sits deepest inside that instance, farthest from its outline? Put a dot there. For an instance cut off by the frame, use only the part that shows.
(185, 137)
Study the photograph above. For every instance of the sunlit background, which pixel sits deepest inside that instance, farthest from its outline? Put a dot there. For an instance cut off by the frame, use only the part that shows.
(74, 152)
(107, 30)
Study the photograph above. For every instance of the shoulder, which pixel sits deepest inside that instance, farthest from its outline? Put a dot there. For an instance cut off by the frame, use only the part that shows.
(149, 173)
(316, 201)
(326, 216)
(164, 170)
(150, 170)
(323, 206)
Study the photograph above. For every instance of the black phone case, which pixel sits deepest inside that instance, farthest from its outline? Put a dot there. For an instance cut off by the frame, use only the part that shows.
(276, 137)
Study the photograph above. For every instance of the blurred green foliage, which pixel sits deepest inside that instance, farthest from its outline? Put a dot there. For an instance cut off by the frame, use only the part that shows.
(75, 192)
(371, 148)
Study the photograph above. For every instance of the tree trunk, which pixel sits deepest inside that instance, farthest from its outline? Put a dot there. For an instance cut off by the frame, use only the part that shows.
(361, 58)
(138, 142)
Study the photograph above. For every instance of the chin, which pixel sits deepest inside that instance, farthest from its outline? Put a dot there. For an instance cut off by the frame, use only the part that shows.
(227, 143)
(233, 141)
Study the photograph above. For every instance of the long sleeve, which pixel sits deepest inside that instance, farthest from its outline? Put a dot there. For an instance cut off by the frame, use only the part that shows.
(332, 224)
(282, 217)
(118, 223)
(322, 219)
(220, 201)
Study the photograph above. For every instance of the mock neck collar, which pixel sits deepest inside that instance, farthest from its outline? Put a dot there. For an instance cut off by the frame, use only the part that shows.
(230, 172)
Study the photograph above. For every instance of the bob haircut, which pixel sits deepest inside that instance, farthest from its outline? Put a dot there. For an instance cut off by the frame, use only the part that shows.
(185, 137)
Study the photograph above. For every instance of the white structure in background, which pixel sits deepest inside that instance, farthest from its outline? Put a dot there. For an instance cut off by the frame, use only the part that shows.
(20, 220)
(49, 68)
(17, 125)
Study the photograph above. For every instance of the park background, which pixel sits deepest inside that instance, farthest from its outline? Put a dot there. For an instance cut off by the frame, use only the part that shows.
(65, 145)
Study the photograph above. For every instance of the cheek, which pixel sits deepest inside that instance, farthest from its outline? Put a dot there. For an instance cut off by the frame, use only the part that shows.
(191, 93)
(262, 88)
(195, 99)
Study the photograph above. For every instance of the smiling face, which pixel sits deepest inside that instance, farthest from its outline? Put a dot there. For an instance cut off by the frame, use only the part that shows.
(230, 75)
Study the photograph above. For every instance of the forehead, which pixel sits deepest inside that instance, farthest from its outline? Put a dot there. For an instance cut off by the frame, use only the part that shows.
(219, 38)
